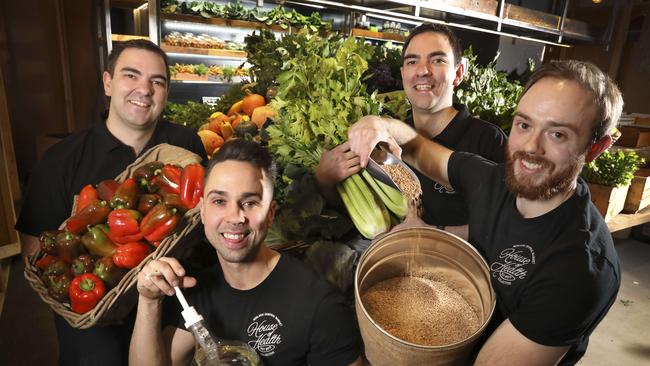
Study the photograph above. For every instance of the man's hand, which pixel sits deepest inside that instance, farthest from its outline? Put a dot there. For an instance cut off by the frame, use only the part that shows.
(158, 278)
(337, 164)
(364, 135)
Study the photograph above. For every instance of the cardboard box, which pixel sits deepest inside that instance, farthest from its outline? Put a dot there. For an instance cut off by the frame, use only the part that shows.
(638, 196)
(634, 136)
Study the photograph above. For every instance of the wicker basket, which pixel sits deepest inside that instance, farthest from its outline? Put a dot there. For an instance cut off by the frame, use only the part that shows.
(119, 301)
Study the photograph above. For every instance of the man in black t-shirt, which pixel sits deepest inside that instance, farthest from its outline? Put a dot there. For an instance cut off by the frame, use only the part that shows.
(137, 82)
(431, 69)
(274, 303)
(553, 264)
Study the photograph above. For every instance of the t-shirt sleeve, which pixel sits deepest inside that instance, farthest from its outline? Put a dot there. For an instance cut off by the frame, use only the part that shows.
(566, 303)
(45, 204)
(196, 146)
(334, 334)
(494, 148)
(468, 174)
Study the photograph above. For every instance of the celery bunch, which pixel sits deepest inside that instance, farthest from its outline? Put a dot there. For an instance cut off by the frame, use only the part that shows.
(320, 95)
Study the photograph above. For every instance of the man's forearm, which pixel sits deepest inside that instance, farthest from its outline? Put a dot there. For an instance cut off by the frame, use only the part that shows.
(28, 244)
(428, 157)
(147, 345)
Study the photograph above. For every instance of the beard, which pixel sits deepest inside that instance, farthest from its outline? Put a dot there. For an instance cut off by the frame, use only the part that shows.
(558, 183)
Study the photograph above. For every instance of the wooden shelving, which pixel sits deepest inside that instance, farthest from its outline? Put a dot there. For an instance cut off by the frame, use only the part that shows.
(624, 221)
(236, 54)
(223, 22)
(125, 37)
(378, 35)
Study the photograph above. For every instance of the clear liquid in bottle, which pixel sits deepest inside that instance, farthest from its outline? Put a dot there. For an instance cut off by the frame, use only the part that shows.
(213, 351)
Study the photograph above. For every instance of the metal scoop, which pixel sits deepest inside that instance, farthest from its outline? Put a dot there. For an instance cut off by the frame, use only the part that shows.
(379, 157)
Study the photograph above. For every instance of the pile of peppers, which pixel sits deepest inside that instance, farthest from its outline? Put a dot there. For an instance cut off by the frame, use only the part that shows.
(115, 226)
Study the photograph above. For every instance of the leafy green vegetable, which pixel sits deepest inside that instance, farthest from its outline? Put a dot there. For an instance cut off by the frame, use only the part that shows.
(302, 215)
(320, 95)
(613, 169)
(191, 114)
(395, 104)
(383, 73)
(488, 93)
(235, 10)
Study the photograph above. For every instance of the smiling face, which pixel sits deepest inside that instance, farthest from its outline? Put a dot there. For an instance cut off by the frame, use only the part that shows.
(237, 210)
(428, 72)
(138, 89)
(550, 139)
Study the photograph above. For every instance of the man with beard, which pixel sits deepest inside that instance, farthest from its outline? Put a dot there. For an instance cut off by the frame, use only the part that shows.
(271, 301)
(431, 69)
(137, 82)
(553, 264)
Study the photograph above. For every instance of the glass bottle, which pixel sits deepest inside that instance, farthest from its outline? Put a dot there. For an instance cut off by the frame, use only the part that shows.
(213, 351)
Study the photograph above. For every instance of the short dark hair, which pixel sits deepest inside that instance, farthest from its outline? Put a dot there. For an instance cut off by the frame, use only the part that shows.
(246, 151)
(606, 96)
(436, 28)
(141, 44)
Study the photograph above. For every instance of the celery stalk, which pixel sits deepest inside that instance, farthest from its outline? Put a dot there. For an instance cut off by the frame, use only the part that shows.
(367, 212)
(391, 197)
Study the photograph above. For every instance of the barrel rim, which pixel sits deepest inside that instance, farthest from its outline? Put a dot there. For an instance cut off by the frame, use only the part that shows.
(469, 246)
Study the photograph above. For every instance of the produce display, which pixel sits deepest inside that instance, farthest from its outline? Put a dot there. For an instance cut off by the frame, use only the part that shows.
(225, 73)
(244, 119)
(193, 40)
(235, 10)
(115, 226)
(489, 94)
(612, 168)
(319, 95)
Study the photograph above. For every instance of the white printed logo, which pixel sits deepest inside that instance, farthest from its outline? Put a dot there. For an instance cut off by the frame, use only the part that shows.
(515, 264)
(264, 331)
(441, 188)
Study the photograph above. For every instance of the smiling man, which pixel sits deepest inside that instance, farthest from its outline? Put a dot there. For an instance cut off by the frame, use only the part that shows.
(553, 264)
(431, 69)
(137, 81)
(273, 302)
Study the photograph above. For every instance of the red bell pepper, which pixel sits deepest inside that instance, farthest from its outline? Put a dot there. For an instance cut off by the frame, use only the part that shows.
(147, 202)
(145, 173)
(106, 189)
(82, 264)
(48, 241)
(55, 268)
(93, 214)
(45, 262)
(174, 201)
(169, 179)
(130, 255)
(87, 195)
(192, 185)
(97, 242)
(126, 195)
(85, 292)
(159, 222)
(69, 246)
(124, 226)
(111, 274)
(59, 287)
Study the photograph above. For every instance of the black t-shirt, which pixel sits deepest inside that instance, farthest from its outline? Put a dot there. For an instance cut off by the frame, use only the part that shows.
(555, 275)
(442, 206)
(86, 157)
(292, 318)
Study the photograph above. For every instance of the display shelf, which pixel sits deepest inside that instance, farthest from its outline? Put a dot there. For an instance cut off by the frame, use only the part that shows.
(222, 22)
(126, 37)
(394, 37)
(624, 221)
(216, 53)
